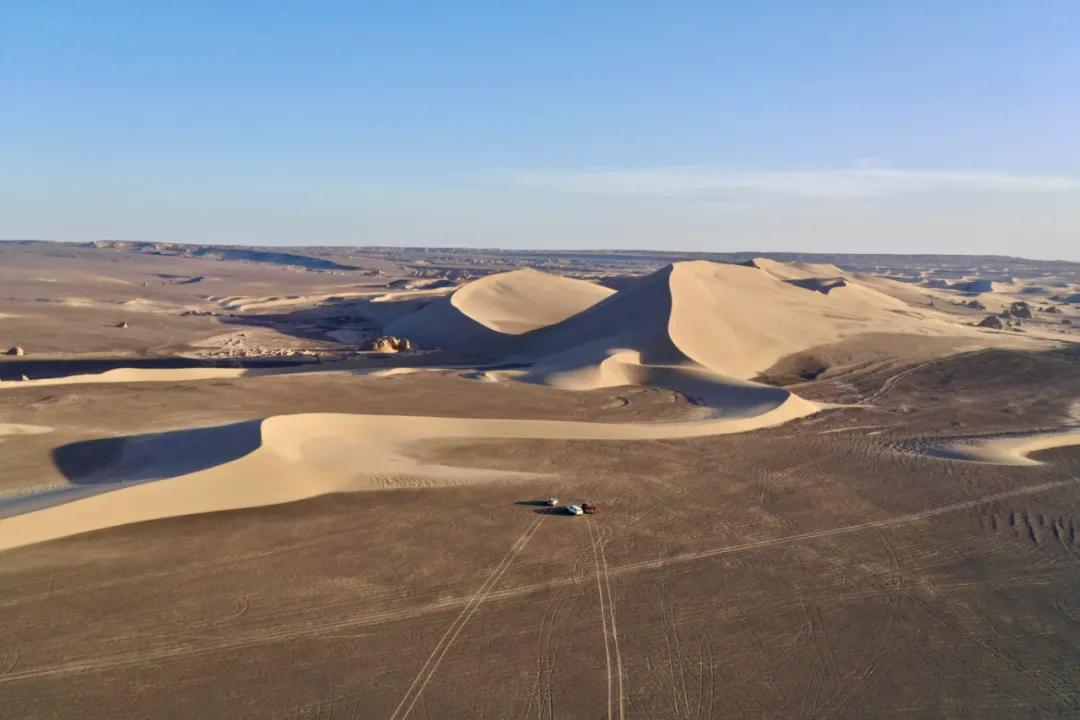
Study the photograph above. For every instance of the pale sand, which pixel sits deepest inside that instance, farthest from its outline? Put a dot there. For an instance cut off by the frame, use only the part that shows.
(17, 429)
(129, 375)
(302, 456)
(247, 303)
(524, 300)
(508, 303)
(1008, 450)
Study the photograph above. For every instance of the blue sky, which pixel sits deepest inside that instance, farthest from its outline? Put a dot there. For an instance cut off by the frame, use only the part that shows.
(830, 126)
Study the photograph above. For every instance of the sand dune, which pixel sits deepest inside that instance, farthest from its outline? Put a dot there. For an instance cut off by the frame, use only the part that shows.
(288, 458)
(731, 320)
(245, 303)
(1009, 450)
(128, 375)
(508, 303)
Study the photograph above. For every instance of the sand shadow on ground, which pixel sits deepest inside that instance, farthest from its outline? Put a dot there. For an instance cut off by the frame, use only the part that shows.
(155, 456)
(540, 507)
(106, 464)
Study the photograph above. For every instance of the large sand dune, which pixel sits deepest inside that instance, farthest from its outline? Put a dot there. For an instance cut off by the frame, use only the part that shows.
(701, 317)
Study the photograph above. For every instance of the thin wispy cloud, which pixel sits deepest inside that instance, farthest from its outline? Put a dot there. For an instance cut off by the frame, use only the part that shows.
(857, 183)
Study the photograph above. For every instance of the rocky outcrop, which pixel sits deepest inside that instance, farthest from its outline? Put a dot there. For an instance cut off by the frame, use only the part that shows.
(1021, 310)
(993, 322)
(15, 351)
(391, 344)
(974, 305)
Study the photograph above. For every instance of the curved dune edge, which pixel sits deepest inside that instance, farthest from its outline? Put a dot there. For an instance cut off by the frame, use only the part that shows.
(1008, 450)
(146, 375)
(126, 375)
(303, 456)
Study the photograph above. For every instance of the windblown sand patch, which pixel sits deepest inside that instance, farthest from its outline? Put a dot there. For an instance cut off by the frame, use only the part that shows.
(1007, 450)
(17, 429)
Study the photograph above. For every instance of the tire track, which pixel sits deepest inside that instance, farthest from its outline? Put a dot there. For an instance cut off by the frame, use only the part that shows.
(427, 671)
(541, 698)
(895, 521)
(130, 659)
(619, 674)
(603, 615)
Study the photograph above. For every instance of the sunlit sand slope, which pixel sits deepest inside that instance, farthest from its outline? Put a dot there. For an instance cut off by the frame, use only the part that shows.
(509, 303)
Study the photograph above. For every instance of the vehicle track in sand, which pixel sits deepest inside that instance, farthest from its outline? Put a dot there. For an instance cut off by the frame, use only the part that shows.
(188, 649)
(427, 671)
(540, 698)
(608, 623)
(891, 381)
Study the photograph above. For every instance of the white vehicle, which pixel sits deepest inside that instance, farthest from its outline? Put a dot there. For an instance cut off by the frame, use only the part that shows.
(552, 502)
(574, 510)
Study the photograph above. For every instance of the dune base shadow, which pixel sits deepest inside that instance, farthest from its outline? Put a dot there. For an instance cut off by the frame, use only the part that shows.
(155, 456)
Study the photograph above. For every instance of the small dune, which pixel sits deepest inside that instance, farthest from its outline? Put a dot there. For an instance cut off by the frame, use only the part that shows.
(282, 459)
(510, 303)
(1007, 450)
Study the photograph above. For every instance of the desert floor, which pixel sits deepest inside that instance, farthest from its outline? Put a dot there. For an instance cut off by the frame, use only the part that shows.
(824, 568)
(857, 562)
